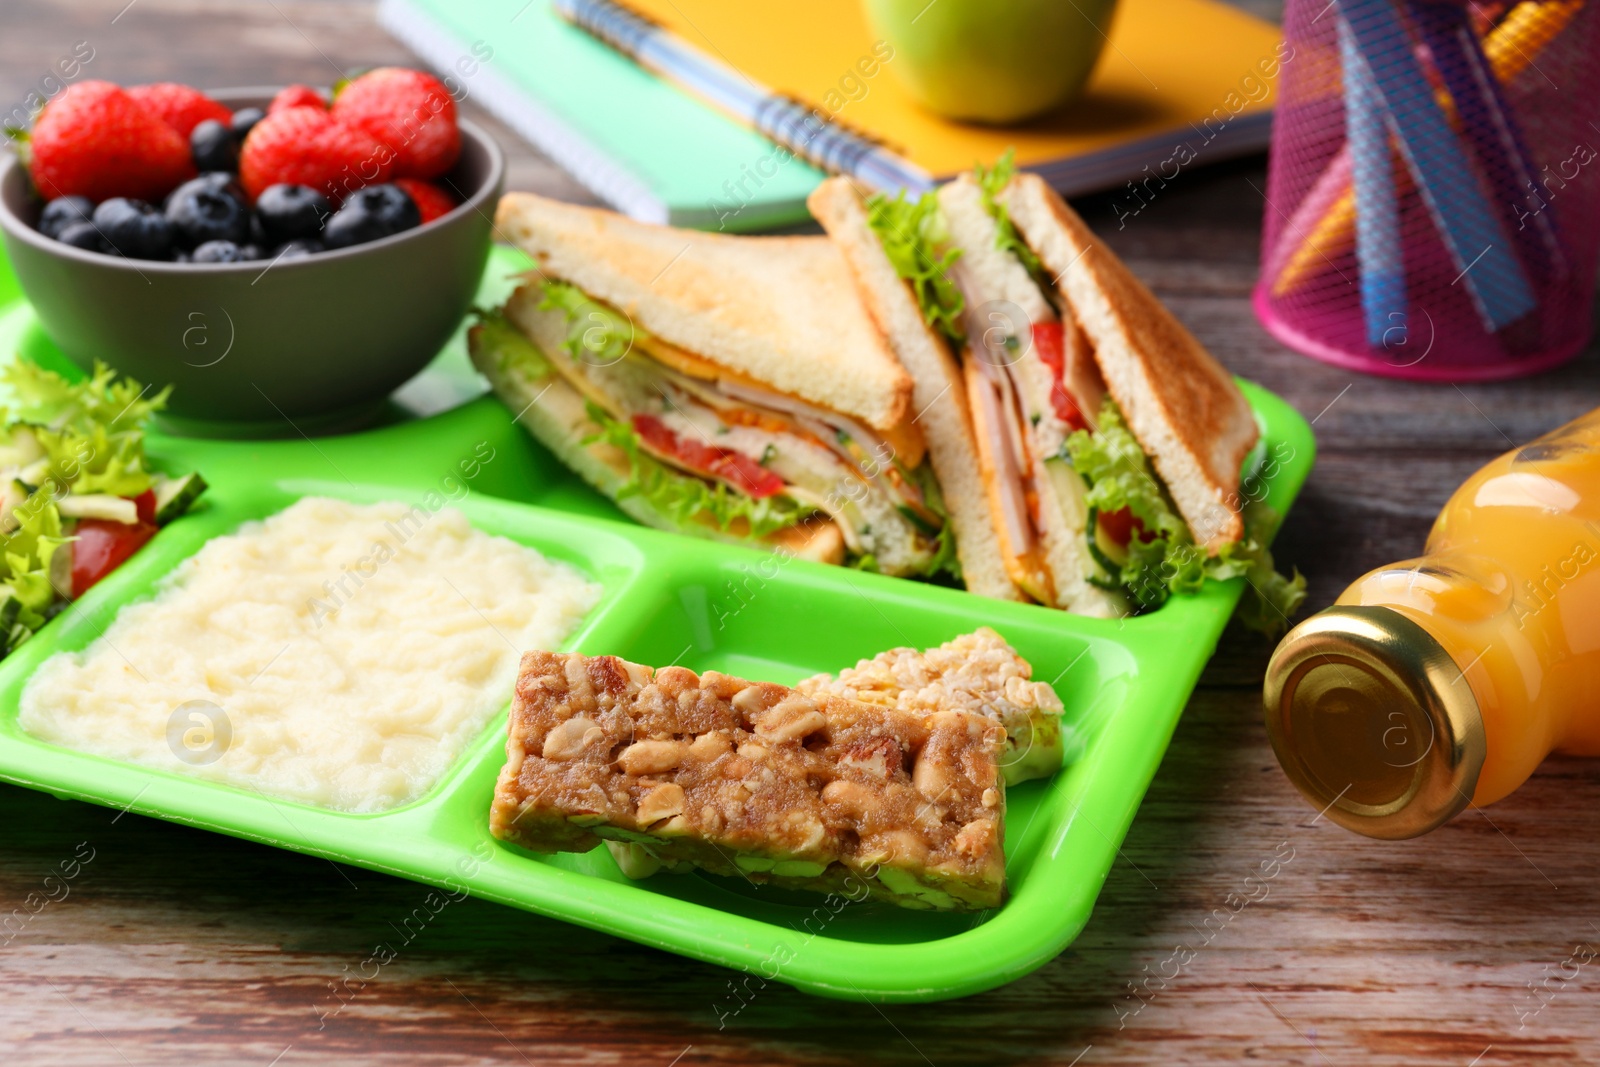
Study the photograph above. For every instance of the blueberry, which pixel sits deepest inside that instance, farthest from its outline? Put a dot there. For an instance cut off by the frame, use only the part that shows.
(62, 212)
(218, 252)
(201, 213)
(244, 120)
(298, 249)
(213, 147)
(369, 214)
(218, 181)
(134, 229)
(289, 212)
(80, 235)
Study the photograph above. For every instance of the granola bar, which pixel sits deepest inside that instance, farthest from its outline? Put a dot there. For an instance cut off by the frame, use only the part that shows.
(976, 672)
(754, 780)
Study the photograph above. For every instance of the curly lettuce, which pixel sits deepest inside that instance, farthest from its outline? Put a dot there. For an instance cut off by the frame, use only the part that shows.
(26, 554)
(684, 497)
(1163, 559)
(945, 561)
(991, 183)
(596, 333)
(60, 437)
(91, 432)
(913, 236)
(508, 344)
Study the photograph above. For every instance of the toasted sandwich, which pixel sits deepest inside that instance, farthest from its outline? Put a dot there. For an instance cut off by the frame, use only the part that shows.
(730, 388)
(1109, 443)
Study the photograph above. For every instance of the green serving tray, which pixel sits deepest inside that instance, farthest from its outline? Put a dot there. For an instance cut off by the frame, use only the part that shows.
(667, 600)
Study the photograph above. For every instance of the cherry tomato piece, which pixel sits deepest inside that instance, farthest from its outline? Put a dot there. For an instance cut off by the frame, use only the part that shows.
(101, 547)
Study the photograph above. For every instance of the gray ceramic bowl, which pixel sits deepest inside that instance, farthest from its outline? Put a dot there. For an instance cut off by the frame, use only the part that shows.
(253, 349)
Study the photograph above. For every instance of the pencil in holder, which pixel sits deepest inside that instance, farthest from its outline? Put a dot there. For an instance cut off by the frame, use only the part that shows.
(1433, 194)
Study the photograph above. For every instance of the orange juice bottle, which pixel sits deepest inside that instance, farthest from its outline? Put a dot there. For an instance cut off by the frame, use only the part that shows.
(1445, 680)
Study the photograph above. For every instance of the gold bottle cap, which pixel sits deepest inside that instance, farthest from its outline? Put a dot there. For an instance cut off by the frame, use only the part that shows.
(1373, 722)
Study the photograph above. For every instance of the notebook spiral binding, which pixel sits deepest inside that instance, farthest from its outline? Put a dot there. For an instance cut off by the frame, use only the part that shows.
(619, 26)
(830, 142)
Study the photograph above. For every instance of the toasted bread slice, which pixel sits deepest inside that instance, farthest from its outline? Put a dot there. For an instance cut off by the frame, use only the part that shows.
(1183, 407)
(1063, 548)
(554, 412)
(780, 310)
(939, 397)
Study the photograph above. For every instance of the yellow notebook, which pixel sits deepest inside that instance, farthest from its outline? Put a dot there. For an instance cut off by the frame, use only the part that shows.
(1180, 82)
(1196, 71)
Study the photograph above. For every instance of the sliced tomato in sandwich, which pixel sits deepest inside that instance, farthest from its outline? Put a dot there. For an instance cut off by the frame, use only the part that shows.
(1049, 341)
(735, 468)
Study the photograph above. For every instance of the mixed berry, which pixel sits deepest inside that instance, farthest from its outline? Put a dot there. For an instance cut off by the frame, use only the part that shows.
(163, 172)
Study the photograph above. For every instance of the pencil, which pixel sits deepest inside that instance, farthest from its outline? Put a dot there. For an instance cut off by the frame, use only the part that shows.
(807, 132)
(1489, 125)
(1510, 47)
(1471, 230)
(1378, 251)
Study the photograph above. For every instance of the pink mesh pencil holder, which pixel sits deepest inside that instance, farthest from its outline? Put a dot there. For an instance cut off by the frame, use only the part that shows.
(1432, 190)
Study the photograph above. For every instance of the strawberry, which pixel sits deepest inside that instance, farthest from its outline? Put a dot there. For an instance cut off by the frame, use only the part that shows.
(431, 200)
(95, 140)
(296, 96)
(411, 112)
(179, 106)
(305, 146)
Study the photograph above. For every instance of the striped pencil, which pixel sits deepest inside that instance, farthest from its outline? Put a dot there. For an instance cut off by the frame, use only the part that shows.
(1378, 251)
(1489, 125)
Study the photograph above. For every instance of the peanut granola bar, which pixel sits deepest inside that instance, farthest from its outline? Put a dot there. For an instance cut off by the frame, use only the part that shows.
(754, 780)
(976, 672)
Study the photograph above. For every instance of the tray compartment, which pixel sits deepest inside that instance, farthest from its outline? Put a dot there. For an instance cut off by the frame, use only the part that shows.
(747, 613)
(604, 555)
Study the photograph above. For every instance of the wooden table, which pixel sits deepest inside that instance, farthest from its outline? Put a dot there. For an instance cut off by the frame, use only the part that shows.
(174, 944)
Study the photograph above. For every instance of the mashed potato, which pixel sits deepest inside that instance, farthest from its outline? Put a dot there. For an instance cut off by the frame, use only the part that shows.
(337, 654)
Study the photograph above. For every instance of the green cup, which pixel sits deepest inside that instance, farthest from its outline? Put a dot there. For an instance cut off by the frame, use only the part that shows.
(992, 61)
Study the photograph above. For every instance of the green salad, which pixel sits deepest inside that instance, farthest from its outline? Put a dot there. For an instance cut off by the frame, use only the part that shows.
(77, 493)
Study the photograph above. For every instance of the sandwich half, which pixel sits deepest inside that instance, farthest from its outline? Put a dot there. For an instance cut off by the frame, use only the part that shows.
(1107, 440)
(730, 388)
(939, 393)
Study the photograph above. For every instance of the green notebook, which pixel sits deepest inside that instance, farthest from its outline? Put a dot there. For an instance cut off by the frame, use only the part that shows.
(641, 145)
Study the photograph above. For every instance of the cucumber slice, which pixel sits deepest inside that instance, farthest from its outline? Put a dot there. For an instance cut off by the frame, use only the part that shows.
(174, 496)
(98, 506)
(1105, 562)
(61, 563)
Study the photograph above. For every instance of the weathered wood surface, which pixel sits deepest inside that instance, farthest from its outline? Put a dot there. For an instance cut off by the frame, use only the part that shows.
(1469, 946)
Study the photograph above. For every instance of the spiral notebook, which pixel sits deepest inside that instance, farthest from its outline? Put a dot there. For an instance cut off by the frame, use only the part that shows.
(1181, 83)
